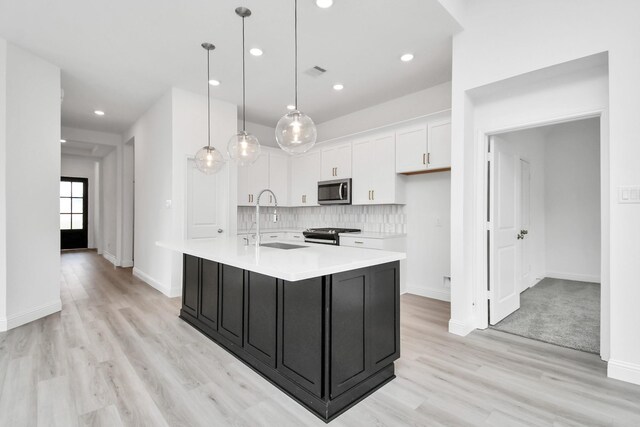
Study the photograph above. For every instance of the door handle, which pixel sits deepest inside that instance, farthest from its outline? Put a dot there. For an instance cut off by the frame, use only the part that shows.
(522, 234)
(220, 230)
(340, 191)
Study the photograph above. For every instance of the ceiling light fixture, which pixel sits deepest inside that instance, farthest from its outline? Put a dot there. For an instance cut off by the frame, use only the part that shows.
(208, 159)
(214, 82)
(323, 4)
(243, 147)
(98, 113)
(296, 132)
(63, 141)
(406, 57)
(338, 86)
(255, 51)
(291, 107)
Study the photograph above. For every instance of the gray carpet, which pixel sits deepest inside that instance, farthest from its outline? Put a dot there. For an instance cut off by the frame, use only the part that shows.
(561, 312)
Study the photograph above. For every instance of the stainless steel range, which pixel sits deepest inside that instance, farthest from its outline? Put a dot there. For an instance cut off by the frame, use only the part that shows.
(327, 235)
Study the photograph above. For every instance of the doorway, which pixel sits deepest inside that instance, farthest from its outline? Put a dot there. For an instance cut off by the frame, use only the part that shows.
(74, 217)
(544, 237)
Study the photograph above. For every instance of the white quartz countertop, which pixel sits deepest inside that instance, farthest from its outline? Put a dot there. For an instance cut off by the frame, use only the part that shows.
(373, 235)
(293, 264)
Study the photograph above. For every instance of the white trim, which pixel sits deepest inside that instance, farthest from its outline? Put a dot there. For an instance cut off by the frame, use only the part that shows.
(442, 295)
(624, 371)
(126, 264)
(30, 315)
(111, 258)
(460, 328)
(166, 290)
(573, 276)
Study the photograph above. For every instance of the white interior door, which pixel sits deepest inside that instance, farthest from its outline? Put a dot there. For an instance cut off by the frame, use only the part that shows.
(525, 224)
(504, 274)
(205, 205)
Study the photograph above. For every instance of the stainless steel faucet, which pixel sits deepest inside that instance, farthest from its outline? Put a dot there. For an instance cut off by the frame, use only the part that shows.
(274, 217)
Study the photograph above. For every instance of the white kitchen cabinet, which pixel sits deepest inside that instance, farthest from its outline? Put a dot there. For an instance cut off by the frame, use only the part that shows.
(375, 180)
(424, 147)
(305, 174)
(279, 179)
(336, 162)
(270, 170)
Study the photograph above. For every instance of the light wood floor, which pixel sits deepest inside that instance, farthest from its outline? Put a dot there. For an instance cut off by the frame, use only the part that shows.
(117, 354)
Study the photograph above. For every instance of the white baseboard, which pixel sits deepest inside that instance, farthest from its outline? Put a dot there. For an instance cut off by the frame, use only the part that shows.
(111, 258)
(458, 327)
(442, 295)
(126, 264)
(624, 371)
(30, 315)
(167, 290)
(573, 276)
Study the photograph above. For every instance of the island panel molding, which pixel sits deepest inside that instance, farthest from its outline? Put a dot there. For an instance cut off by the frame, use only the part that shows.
(327, 341)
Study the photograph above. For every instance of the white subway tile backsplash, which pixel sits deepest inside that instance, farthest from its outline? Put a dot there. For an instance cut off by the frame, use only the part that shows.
(378, 218)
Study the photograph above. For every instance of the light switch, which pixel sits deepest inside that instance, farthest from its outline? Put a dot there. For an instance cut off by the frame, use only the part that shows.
(167, 204)
(629, 194)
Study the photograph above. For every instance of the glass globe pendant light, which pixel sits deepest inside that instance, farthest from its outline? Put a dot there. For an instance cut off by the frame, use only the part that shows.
(243, 147)
(208, 159)
(295, 132)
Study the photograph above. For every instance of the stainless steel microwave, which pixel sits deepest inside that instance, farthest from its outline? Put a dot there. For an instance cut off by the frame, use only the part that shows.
(334, 192)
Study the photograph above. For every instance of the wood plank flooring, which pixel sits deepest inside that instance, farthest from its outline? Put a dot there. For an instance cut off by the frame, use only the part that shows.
(117, 355)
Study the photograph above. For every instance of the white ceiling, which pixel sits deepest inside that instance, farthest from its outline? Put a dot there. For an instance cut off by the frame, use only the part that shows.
(85, 149)
(122, 55)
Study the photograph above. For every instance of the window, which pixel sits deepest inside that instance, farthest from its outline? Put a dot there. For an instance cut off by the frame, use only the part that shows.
(72, 194)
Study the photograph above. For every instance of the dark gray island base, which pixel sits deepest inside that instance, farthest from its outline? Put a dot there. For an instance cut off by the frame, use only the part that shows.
(328, 342)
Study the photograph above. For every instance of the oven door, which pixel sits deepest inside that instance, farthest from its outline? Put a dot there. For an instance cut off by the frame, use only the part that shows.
(335, 192)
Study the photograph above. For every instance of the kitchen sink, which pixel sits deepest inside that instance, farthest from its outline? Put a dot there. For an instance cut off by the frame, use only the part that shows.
(279, 245)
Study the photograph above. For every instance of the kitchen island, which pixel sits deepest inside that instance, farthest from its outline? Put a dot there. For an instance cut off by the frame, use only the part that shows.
(321, 323)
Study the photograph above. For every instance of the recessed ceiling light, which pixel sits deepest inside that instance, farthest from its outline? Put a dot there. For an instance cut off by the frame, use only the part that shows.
(324, 3)
(338, 86)
(213, 82)
(63, 141)
(406, 57)
(98, 113)
(291, 107)
(255, 51)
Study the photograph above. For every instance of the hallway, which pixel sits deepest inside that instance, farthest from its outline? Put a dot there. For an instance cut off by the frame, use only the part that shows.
(119, 355)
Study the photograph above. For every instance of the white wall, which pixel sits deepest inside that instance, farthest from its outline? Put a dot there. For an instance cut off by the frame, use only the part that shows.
(428, 234)
(424, 102)
(3, 184)
(109, 206)
(127, 203)
(265, 134)
(165, 136)
(31, 179)
(572, 199)
(82, 167)
(485, 53)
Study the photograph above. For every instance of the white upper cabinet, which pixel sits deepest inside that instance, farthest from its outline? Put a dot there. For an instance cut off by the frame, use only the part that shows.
(279, 178)
(424, 146)
(270, 170)
(374, 171)
(336, 162)
(305, 174)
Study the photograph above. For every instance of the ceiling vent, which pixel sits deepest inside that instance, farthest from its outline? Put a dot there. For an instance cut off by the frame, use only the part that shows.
(316, 71)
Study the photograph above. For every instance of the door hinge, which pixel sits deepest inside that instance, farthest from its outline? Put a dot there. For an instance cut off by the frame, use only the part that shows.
(489, 225)
(488, 294)
(489, 157)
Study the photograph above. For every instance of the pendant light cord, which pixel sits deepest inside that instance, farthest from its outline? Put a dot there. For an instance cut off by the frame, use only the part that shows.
(295, 25)
(208, 100)
(244, 124)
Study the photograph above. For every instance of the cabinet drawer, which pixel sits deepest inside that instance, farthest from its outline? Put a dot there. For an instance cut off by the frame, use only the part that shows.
(298, 237)
(358, 242)
(272, 236)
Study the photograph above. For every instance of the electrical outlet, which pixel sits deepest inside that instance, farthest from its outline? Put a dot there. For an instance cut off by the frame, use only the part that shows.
(629, 194)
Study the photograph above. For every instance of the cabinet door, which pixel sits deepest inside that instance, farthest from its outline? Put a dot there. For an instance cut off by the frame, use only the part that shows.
(363, 172)
(259, 177)
(190, 284)
(209, 293)
(244, 198)
(312, 176)
(300, 326)
(384, 168)
(297, 184)
(231, 304)
(411, 149)
(348, 330)
(279, 179)
(439, 145)
(383, 315)
(336, 162)
(260, 317)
